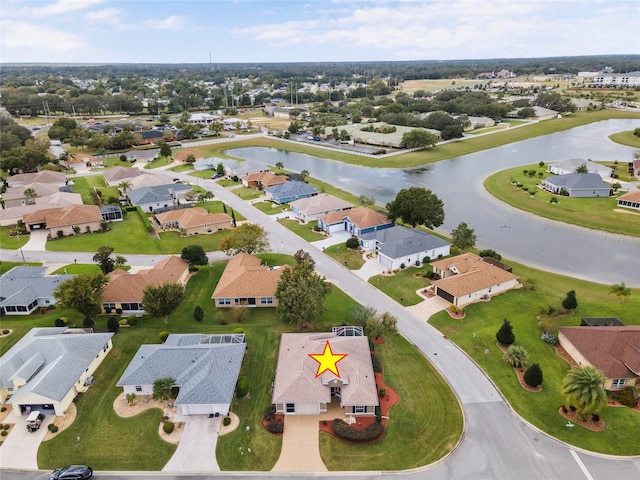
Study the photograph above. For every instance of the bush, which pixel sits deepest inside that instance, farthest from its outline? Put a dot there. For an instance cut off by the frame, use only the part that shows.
(490, 253)
(60, 234)
(345, 431)
(595, 418)
(226, 421)
(5, 332)
(123, 322)
(533, 375)
(163, 336)
(113, 325)
(4, 433)
(52, 428)
(132, 321)
(118, 311)
(3, 409)
(275, 427)
(107, 310)
(6, 426)
(168, 427)
(550, 339)
(382, 393)
(59, 323)
(88, 322)
(377, 366)
(270, 413)
(402, 266)
(353, 243)
(198, 313)
(625, 397)
(238, 330)
(243, 387)
(505, 334)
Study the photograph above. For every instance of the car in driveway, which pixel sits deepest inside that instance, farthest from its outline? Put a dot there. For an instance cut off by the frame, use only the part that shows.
(72, 472)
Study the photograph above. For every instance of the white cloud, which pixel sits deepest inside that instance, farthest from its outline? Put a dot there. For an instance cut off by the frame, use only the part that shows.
(43, 42)
(57, 8)
(174, 22)
(111, 17)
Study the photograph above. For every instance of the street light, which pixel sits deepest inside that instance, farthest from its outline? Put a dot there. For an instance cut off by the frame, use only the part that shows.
(20, 248)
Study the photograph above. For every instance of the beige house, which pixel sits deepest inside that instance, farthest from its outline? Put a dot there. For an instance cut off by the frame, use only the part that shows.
(58, 179)
(124, 291)
(307, 209)
(115, 175)
(47, 368)
(15, 196)
(467, 278)
(264, 179)
(194, 220)
(630, 200)
(245, 282)
(614, 350)
(298, 391)
(65, 219)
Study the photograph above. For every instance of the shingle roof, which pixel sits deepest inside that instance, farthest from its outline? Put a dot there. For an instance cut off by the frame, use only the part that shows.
(44, 176)
(244, 276)
(22, 285)
(267, 179)
(192, 217)
(320, 203)
(291, 189)
(156, 194)
(116, 174)
(633, 196)
(296, 372)
(51, 360)
(205, 372)
(244, 168)
(572, 164)
(398, 241)
(363, 217)
(614, 350)
(578, 181)
(41, 189)
(65, 216)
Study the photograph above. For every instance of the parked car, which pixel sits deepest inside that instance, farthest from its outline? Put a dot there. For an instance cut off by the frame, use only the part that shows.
(217, 175)
(34, 420)
(72, 472)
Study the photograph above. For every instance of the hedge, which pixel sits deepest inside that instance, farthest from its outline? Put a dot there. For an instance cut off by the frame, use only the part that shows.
(343, 430)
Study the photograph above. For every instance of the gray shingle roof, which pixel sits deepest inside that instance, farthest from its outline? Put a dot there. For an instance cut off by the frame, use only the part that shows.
(51, 360)
(397, 241)
(22, 285)
(244, 168)
(205, 372)
(291, 189)
(578, 181)
(157, 193)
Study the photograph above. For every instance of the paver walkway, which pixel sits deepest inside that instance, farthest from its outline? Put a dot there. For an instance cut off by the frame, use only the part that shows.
(196, 452)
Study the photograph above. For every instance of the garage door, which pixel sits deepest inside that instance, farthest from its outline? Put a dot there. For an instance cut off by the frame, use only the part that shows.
(385, 261)
(446, 295)
(46, 408)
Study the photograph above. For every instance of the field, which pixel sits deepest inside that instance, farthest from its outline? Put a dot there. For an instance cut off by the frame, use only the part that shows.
(434, 85)
(626, 138)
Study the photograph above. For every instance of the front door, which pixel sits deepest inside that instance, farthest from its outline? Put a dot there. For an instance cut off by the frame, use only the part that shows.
(336, 392)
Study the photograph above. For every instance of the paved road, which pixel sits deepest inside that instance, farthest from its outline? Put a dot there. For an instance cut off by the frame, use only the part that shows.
(497, 444)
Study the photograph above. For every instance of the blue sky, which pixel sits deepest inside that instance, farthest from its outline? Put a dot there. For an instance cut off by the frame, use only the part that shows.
(185, 31)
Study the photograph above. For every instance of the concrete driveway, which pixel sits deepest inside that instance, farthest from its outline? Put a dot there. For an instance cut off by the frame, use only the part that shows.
(334, 239)
(20, 449)
(37, 241)
(428, 307)
(196, 452)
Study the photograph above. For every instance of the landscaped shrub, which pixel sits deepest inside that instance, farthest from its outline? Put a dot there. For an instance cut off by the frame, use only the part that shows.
(107, 310)
(505, 334)
(4, 433)
(243, 387)
(238, 330)
(118, 311)
(88, 322)
(168, 427)
(5, 332)
(60, 234)
(352, 242)
(113, 325)
(275, 427)
(343, 430)
(226, 421)
(270, 413)
(123, 322)
(52, 428)
(377, 366)
(6, 426)
(163, 336)
(490, 253)
(595, 418)
(426, 260)
(3, 409)
(625, 397)
(533, 376)
(382, 393)
(198, 313)
(59, 322)
(402, 266)
(378, 413)
(132, 320)
(551, 339)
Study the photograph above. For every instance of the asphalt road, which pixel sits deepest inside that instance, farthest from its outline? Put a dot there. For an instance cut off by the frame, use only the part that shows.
(497, 444)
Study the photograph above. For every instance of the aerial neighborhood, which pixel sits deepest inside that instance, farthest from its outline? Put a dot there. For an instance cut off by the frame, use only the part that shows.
(295, 269)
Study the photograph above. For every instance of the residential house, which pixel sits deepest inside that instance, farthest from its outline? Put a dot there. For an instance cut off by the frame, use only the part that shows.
(116, 175)
(147, 155)
(398, 246)
(630, 79)
(69, 220)
(210, 163)
(205, 370)
(263, 180)
(233, 123)
(359, 133)
(16, 197)
(298, 391)
(356, 221)
(124, 291)
(630, 200)
(289, 192)
(194, 220)
(245, 282)
(148, 180)
(10, 215)
(240, 169)
(540, 113)
(636, 168)
(573, 164)
(159, 197)
(614, 350)
(48, 367)
(467, 278)
(583, 104)
(25, 288)
(146, 137)
(203, 118)
(44, 176)
(581, 185)
(601, 322)
(310, 208)
(285, 112)
(480, 122)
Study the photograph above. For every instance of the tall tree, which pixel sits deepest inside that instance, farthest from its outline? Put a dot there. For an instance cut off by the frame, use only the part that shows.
(301, 291)
(463, 237)
(31, 195)
(104, 259)
(194, 255)
(82, 293)
(620, 290)
(247, 238)
(162, 300)
(162, 388)
(165, 149)
(583, 386)
(417, 206)
(418, 138)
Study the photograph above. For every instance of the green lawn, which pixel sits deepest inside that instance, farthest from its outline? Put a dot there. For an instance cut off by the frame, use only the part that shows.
(248, 193)
(350, 258)
(596, 213)
(626, 138)
(85, 185)
(476, 332)
(269, 208)
(83, 269)
(402, 286)
(424, 426)
(6, 266)
(620, 169)
(304, 230)
(159, 162)
(11, 243)
(182, 168)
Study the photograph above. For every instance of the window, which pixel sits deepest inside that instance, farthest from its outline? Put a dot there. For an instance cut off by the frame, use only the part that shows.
(359, 409)
(618, 383)
(290, 408)
(138, 388)
(112, 306)
(266, 300)
(224, 301)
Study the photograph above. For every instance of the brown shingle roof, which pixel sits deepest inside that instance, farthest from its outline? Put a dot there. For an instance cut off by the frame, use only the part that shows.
(244, 276)
(129, 287)
(65, 216)
(363, 217)
(321, 203)
(614, 350)
(44, 176)
(41, 189)
(116, 174)
(296, 372)
(633, 196)
(267, 179)
(192, 217)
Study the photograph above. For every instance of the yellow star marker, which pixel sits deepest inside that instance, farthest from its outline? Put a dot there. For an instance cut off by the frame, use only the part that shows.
(327, 360)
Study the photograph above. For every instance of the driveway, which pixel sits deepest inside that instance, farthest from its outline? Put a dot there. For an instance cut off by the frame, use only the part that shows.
(428, 307)
(334, 239)
(370, 268)
(196, 452)
(20, 449)
(37, 241)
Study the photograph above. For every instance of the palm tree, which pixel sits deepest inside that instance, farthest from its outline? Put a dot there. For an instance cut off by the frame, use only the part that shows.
(31, 194)
(583, 387)
(304, 174)
(124, 186)
(517, 356)
(162, 389)
(279, 165)
(620, 290)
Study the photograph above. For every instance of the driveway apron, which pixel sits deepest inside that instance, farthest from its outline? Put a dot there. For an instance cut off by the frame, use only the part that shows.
(20, 449)
(300, 445)
(196, 452)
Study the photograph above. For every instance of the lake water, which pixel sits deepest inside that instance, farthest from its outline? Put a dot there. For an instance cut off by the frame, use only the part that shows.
(535, 241)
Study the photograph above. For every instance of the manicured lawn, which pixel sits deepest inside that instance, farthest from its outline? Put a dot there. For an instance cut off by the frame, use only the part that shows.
(303, 230)
(85, 185)
(269, 208)
(620, 169)
(402, 285)
(477, 332)
(597, 213)
(159, 162)
(626, 138)
(8, 242)
(182, 168)
(83, 269)
(424, 426)
(248, 193)
(6, 266)
(350, 258)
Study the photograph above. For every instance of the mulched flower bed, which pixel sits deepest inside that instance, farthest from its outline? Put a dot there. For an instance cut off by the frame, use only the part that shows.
(278, 417)
(520, 374)
(588, 424)
(458, 315)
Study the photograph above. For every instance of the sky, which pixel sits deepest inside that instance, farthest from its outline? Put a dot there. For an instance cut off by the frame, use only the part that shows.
(262, 31)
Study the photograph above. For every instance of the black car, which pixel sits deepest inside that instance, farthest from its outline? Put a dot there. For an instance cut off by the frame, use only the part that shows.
(72, 472)
(217, 175)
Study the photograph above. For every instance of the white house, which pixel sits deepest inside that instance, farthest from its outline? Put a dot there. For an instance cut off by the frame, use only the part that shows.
(571, 165)
(25, 288)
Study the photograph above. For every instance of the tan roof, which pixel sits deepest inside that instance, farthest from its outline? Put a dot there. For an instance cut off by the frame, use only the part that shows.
(147, 180)
(41, 189)
(244, 276)
(58, 199)
(81, 157)
(44, 176)
(129, 287)
(320, 203)
(117, 174)
(267, 179)
(363, 217)
(471, 274)
(192, 217)
(633, 196)
(296, 372)
(614, 350)
(65, 216)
